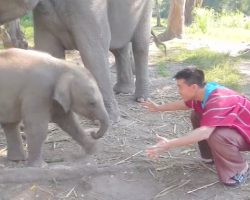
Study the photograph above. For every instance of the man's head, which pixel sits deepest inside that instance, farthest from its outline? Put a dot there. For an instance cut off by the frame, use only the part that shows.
(190, 82)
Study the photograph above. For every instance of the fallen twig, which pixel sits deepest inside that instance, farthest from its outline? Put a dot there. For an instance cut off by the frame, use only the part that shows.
(202, 187)
(150, 171)
(174, 129)
(170, 189)
(55, 160)
(122, 161)
(69, 193)
(59, 140)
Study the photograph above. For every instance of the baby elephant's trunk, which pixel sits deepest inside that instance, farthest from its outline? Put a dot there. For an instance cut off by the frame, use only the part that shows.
(104, 124)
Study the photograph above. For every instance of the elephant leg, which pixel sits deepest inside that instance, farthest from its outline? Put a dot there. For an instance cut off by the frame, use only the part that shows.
(93, 44)
(36, 131)
(125, 77)
(140, 44)
(36, 116)
(101, 73)
(45, 40)
(14, 142)
(70, 124)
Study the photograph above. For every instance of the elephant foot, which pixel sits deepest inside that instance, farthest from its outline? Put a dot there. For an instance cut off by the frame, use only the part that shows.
(140, 96)
(113, 111)
(16, 156)
(123, 88)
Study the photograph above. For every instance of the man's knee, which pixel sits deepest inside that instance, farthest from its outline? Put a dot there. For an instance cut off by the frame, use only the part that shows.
(217, 137)
(195, 119)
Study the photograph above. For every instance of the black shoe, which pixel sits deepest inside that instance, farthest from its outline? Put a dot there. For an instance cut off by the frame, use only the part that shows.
(239, 179)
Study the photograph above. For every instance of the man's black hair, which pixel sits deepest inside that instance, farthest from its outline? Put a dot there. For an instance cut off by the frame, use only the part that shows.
(191, 75)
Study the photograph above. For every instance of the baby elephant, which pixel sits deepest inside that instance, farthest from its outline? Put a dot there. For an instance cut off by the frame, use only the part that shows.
(37, 88)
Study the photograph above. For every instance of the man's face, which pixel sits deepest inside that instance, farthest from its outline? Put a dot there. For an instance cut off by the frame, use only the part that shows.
(187, 92)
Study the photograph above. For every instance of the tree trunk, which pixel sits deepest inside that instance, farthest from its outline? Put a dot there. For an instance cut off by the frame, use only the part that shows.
(189, 6)
(157, 9)
(15, 35)
(175, 21)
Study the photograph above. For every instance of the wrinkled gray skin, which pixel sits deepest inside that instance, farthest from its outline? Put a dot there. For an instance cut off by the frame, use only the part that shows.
(38, 88)
(94, 27)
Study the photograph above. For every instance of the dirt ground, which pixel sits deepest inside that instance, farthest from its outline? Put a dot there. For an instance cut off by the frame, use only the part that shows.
(120, 170)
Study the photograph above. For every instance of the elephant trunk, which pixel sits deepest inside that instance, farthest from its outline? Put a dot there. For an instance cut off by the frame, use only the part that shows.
(104, 124)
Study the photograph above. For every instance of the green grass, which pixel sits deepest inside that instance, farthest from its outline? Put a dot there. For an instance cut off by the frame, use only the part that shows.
(162, 69)
(219, 67)
(225, 74)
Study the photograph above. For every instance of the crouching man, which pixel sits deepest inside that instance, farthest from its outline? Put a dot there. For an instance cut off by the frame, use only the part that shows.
(221, 121)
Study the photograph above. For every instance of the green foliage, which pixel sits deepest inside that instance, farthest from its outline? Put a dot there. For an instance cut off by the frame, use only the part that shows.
(27, 20)
(203, 19)
(232, 20)
(224, 26)
(27, 28)
(164, 8)
(229, 5)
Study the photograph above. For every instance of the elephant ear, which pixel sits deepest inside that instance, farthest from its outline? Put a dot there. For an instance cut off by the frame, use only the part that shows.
(62, 91)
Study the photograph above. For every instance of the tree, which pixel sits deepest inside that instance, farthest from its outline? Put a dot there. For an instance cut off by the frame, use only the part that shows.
(189, 7)
(175, 21)
(158, 16)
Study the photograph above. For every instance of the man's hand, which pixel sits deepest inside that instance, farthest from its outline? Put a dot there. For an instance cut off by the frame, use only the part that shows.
(151, 106)
(160, 147)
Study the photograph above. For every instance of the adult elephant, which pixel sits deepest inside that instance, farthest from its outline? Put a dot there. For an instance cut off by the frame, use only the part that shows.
(95, 27)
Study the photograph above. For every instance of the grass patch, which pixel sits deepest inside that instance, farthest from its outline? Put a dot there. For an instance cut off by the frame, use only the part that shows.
(225, 74)
(162, 69)
(218, 67)
(202, 57)
(205, 58)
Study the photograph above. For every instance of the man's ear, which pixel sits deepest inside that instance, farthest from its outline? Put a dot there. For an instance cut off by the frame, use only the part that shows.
(195, 86)
(62, 91)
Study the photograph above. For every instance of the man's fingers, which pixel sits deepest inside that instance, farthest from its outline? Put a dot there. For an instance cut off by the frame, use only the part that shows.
(145, 105)
(152, 153)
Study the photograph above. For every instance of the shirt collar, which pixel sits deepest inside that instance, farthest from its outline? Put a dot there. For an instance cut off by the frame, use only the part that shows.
(209, 88)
